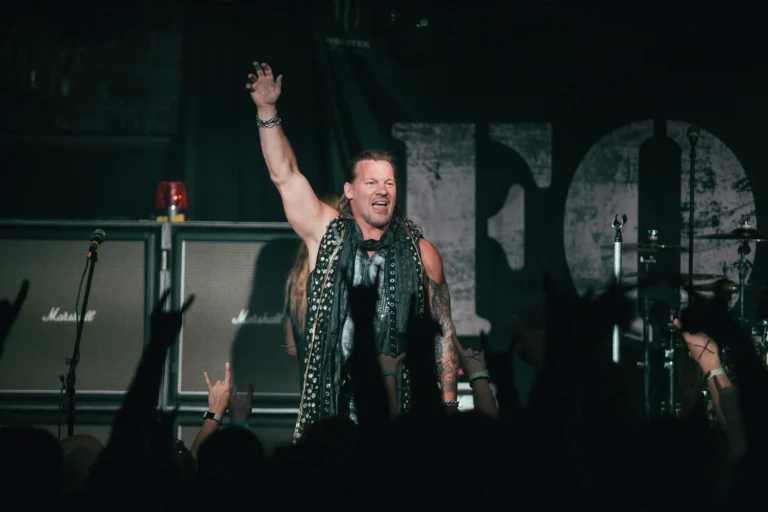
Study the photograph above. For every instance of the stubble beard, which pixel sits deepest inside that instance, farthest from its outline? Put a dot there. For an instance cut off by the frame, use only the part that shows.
(376, 221)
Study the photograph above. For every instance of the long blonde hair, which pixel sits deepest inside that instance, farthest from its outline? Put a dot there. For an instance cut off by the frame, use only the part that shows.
(296, 284)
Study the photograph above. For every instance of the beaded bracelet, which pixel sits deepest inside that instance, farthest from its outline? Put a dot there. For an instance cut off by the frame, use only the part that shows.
(271, 123)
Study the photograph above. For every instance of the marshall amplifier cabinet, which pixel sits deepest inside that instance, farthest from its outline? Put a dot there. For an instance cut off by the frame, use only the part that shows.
(52, 256)
(237, 273)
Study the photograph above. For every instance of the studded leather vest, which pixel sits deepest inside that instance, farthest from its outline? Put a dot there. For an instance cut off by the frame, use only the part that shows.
(328, 310)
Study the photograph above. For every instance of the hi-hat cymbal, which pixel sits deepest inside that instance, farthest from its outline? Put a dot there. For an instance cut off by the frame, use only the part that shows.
(648, 248)
(744, 234)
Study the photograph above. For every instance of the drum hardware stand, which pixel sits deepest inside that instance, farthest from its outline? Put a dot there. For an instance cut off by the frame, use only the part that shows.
(743, 266)
(693, 138)
(645, 364)
(762, 351)
(671, 406)
(618, 223)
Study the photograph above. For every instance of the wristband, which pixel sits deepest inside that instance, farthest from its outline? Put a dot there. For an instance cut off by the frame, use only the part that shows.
(210, 415)
(270, 123)
(388, 374)
(715, 373)
(479, 375)
(451, 403)
(238, 424)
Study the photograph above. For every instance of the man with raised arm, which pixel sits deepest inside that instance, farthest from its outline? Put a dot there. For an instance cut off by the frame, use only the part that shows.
(364, 238)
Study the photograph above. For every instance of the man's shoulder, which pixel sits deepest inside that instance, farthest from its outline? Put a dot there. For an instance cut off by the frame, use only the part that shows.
(429, 252)
(336, 226)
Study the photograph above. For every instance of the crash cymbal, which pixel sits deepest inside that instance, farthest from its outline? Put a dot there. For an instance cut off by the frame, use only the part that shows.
(723, 286)
(672, 277)
(648, 248)
(744, 234)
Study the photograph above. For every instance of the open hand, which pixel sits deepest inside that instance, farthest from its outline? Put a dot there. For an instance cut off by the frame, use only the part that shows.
(264, 88)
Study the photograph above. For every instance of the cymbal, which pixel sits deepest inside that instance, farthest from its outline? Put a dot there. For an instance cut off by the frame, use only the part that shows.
(744, 234)
(723, 286)
(676, 278)
(648, 248)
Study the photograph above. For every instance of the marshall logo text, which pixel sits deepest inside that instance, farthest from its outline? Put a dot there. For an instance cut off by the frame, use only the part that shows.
(246, 318)
(56, 315)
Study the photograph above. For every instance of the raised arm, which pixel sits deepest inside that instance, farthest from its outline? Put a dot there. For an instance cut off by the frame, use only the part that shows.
(440, 310)
(305, 212)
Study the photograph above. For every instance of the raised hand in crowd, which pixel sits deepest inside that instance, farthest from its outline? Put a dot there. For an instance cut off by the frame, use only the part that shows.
(390, 369)
(164, 331)
(219, 392)
(9, 312)
(240, 405)
(363, 365)
(166, 325)
(702, 348)
(138, 429)
(474, 366)
(219, 396)
(426, 398)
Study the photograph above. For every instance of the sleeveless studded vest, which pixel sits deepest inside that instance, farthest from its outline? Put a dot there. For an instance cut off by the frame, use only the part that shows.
(328, 310)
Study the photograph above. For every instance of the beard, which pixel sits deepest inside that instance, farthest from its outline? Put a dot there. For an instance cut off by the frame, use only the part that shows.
(377, 221)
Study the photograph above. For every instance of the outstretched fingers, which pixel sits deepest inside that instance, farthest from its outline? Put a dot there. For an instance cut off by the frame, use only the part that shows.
(207, 381)
(187, 303)
(160, 305)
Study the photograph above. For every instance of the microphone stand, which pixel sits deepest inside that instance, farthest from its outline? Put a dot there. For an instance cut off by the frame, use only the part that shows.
(75, 359)
(617, 246)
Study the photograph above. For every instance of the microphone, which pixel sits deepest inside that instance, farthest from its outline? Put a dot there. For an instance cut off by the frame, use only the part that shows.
(97, 238)
(693, 134)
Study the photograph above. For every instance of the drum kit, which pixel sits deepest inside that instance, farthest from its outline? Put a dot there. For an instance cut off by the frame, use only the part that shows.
(706, 284)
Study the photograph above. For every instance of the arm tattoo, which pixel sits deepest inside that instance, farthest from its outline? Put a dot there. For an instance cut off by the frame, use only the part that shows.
(445, 348)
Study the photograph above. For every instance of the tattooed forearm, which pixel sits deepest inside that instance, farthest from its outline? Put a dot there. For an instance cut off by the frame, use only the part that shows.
(445, 346)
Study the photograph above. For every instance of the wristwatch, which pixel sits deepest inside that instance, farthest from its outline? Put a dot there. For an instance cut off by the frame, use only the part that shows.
(212, 416)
